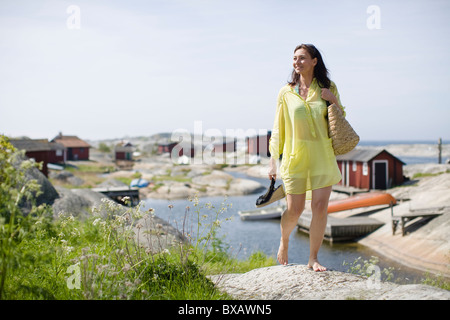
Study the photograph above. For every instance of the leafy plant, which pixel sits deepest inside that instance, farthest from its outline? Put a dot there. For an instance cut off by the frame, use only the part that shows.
(17, 192)
(103, 256)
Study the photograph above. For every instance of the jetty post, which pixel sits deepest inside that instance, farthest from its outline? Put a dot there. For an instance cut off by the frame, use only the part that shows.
(440, 151)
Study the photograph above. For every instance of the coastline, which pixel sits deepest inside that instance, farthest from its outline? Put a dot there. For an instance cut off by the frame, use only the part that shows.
(425, 247)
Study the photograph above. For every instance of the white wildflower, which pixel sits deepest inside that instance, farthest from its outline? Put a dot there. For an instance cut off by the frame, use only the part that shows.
(126, 268)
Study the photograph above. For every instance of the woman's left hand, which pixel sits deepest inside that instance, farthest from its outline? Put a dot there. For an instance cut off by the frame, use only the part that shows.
(329, 96)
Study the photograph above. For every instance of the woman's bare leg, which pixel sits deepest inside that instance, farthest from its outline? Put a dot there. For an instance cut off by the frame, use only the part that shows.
(289, 219)
(319, 207)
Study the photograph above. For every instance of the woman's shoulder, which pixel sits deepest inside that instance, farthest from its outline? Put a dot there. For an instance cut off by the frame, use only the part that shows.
(284, 89)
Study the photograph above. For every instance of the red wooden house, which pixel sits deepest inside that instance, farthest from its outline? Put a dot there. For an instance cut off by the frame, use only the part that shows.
(75, 148)
(39, 150)
(259, 144)
(123, 151)
(166, 147)
(57, 153)
(370, 169)
(227, 145)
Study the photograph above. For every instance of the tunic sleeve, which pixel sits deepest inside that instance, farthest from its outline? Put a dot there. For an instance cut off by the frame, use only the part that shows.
(277, 139)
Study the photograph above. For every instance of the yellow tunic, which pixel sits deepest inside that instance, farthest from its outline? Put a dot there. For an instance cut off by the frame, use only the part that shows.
(300, 134)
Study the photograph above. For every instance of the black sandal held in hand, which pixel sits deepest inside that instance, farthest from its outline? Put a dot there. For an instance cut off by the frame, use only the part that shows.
(272, 195)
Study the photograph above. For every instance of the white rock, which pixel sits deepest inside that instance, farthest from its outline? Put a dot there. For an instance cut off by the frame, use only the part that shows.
(294, 282)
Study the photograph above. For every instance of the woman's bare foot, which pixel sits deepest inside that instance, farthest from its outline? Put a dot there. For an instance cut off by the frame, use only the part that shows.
(316, 266)
(282, 255)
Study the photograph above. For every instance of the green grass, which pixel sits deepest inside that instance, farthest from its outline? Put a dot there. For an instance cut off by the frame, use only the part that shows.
(110, 264)
(98, 258)
(422, 174)
(90, 167)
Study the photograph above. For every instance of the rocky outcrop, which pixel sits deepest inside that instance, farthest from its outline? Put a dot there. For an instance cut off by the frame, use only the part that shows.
(151, 231)
(66, 177)
(298, 282)
(157, 234)
(77, 202)
(204, 183)
(48, 193)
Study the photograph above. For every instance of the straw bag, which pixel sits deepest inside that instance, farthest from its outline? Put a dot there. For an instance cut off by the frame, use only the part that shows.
(343, 137)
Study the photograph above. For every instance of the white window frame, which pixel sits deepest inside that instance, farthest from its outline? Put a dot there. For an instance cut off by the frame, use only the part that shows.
(347, 173)
(365, 169)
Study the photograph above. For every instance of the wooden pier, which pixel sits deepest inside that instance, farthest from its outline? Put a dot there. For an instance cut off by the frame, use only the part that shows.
(425, 213)
(118, 193)
(348, 190)
(342, 229)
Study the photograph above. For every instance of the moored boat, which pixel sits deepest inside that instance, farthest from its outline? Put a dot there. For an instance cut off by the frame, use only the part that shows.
(361, 200)
(265, 213)
(139, 183)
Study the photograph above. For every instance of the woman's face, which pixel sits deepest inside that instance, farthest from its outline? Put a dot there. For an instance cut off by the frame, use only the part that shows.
(303, 63)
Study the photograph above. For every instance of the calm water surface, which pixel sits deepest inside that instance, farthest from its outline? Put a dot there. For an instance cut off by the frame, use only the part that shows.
(245, 237)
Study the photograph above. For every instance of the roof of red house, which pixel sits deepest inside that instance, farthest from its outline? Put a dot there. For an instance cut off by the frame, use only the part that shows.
(71, 141)
(31, 145)
(124, 147)
(363, 155)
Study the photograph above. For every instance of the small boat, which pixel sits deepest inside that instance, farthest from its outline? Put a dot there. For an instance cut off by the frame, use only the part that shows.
(260, 214)
(361, 200)
(140, 183)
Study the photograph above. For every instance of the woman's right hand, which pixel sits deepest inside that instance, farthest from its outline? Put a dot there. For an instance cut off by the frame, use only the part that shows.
(272, 169)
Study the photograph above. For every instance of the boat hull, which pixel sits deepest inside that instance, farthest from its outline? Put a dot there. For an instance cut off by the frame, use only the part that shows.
(361, 200)
(260, 214)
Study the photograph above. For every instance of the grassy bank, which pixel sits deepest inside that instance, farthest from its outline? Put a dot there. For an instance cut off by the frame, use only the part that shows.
(99, 257)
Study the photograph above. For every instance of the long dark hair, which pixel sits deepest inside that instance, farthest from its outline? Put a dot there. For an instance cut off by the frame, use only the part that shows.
(320, 71)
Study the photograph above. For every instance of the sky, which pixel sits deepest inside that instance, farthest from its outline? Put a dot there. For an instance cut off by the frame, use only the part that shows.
(106, 69)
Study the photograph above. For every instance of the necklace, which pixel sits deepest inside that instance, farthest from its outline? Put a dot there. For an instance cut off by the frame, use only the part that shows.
(297, 90)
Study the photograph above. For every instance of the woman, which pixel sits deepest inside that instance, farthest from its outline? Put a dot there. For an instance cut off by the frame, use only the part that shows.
(300, 134)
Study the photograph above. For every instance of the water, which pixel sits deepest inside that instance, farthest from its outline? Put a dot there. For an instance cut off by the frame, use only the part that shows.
(383, 143)
(245, 237)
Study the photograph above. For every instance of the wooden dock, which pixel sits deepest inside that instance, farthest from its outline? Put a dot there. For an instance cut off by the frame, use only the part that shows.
(342, 229)
(424, 213)
(118, 193)
(348, 190)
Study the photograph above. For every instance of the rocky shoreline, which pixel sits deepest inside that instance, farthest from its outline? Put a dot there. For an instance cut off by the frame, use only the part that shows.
(425, 246)
(298, 282)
